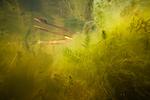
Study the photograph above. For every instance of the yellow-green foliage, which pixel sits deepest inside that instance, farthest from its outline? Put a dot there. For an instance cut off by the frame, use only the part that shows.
(110, 63)
(115, 64)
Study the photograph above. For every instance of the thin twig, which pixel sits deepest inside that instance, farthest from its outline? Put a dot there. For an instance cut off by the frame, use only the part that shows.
(14, 58)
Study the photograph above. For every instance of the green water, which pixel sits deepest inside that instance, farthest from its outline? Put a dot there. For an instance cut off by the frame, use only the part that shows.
(74, 50)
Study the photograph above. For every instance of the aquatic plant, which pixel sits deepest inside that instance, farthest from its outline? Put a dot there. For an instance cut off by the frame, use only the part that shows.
(108, 57)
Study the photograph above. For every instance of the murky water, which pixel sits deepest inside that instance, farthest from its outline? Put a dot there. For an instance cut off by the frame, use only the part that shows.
(74, 50)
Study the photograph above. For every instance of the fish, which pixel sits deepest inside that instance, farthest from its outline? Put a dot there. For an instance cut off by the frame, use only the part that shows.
(40, 20)
(44, 21)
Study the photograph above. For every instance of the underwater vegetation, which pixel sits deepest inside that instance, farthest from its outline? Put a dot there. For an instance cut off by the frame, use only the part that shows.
(74, 50)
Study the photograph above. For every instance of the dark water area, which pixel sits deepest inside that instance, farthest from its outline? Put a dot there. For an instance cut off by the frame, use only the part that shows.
(31, 5)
